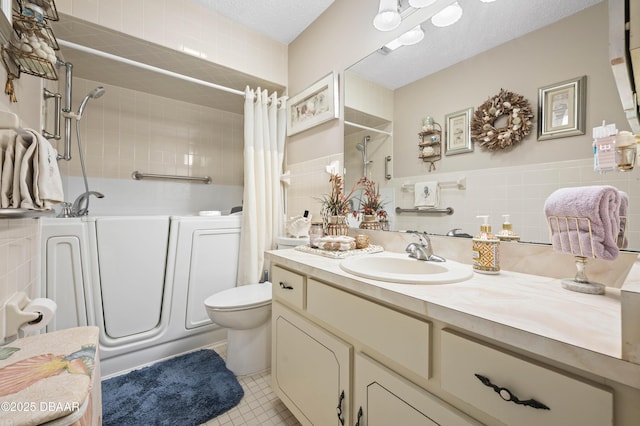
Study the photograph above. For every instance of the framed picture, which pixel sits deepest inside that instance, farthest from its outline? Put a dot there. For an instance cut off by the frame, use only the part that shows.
(316, 104)
(457, 127)
(562, 109)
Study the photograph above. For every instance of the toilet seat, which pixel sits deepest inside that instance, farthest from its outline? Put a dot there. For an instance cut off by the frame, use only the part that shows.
(242, 297)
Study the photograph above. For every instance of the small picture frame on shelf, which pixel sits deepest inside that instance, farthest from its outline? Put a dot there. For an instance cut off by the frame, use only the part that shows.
(457, 127)
(316, 104)
(562, 109)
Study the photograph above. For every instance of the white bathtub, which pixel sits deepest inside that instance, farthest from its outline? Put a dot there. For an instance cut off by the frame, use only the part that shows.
(141, 279)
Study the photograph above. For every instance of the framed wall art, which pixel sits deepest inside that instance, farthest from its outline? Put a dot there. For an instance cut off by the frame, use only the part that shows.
(457, 127)
(562, 109)
(316, 104)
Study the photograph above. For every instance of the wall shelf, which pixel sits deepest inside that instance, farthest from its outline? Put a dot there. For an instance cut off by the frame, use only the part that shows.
(430, 146)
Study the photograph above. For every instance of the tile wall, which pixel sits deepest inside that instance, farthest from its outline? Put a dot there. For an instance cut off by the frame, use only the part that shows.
(126, 130)
(19, 262)
(519, 191)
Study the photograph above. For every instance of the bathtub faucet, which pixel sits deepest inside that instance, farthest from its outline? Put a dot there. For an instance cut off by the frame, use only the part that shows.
(80, 206)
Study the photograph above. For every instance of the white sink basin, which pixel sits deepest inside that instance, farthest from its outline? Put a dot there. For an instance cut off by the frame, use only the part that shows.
(400, 268)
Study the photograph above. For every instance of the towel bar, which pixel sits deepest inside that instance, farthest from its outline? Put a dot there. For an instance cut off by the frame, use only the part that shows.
(138, 176)
(448, 210)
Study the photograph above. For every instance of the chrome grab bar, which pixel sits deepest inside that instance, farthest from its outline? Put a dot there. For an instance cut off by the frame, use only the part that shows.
(47, 94)
(448, 210)
(138, 176)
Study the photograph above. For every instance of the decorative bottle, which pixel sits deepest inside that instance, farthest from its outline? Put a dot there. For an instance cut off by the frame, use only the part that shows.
(486, 250)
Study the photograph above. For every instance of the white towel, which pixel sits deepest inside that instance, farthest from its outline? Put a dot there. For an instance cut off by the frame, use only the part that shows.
(427, 195)
(41, 168)
(6, 186)
(21, 147)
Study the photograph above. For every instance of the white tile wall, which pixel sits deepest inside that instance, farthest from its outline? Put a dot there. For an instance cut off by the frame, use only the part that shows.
(126, 130)
(19, 262)
(519, 191)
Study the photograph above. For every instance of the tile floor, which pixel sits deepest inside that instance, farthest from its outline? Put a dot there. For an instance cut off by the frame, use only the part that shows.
(259, 406)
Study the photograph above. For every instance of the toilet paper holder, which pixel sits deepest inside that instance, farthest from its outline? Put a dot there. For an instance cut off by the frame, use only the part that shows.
(13, 316)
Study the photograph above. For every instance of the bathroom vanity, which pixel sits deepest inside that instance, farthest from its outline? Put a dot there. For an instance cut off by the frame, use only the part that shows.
(512, 348)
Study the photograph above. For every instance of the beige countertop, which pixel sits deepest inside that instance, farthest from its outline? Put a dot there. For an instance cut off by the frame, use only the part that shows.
(532, 313)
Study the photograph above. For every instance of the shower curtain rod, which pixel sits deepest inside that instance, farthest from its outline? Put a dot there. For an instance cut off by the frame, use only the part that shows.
(371, 129)
(148, 67)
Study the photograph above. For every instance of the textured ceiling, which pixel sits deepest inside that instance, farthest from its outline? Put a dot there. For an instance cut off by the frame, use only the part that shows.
(281, 20)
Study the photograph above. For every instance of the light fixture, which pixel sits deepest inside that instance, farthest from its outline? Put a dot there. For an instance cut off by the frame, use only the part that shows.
(413, 36)
(388, 17)
(447, 16)
(423, 3)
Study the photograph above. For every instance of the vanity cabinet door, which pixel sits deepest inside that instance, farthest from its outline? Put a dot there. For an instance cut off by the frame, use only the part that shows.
(383, 398)
(310, 370)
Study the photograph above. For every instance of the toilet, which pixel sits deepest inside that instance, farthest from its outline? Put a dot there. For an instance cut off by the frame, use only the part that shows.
(245, 311)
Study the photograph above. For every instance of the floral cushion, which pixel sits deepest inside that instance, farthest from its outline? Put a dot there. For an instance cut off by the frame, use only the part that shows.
(49, 376)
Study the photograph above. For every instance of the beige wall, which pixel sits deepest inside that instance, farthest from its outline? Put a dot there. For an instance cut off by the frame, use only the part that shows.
(573, 47)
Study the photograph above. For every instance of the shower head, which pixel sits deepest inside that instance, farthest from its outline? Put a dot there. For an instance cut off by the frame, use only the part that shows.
(94, 94)
(360, 147)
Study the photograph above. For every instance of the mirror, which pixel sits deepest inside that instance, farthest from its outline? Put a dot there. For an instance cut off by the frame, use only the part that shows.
(494, 45)
(5, 21)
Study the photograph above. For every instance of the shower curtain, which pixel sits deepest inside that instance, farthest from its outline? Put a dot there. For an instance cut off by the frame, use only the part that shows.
(262, 212)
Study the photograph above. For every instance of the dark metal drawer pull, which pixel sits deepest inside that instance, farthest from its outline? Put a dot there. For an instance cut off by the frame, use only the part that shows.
(340, 418)
(508, 396)
(285, 286)
(359, 417)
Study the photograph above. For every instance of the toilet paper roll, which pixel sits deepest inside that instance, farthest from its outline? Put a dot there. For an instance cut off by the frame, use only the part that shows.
(45, 307)
(209, 213)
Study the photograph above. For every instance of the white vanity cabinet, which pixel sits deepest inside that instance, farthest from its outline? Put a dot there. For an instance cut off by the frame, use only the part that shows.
(424, 355)
(310, 369)
(383, 398)
(317, 373)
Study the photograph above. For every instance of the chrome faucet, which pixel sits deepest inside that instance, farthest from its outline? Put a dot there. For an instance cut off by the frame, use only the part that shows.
(423, 251)
(80, 206)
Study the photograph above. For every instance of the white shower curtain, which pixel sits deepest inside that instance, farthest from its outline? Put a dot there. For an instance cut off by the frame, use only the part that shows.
(262, 212)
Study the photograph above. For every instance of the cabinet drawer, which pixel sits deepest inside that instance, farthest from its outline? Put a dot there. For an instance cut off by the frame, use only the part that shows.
(288, 286)
(399, 337)
(569, 401)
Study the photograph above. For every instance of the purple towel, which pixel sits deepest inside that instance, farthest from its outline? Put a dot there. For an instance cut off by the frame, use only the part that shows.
(598, 205)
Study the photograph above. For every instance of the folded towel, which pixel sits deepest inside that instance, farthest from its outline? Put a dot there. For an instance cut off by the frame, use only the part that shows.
(624, 207)
(41, 185)
(20, 149)
(427, 195)
(6, 185)
(5, 139)
(573, 212)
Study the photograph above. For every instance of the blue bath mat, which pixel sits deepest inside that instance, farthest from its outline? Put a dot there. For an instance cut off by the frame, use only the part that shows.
(186, 390)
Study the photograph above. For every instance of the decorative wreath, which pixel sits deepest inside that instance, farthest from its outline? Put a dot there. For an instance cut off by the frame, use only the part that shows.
(518, 112)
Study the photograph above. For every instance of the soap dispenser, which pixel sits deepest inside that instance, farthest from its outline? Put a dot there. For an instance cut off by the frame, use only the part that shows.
(486, 250)
(507, 233)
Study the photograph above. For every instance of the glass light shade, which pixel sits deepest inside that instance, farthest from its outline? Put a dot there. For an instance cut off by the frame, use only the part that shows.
(447, 16)
(388, 17)
(423, 3)
(413, 36)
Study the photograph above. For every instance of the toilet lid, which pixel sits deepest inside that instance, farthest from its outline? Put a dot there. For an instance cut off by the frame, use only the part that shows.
(240, 297)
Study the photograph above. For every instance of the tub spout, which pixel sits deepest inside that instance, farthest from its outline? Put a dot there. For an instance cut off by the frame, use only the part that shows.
(81, 204)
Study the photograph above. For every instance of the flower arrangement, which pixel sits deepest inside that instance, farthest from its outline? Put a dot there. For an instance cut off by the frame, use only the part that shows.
(336, 203)
(371, 203)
